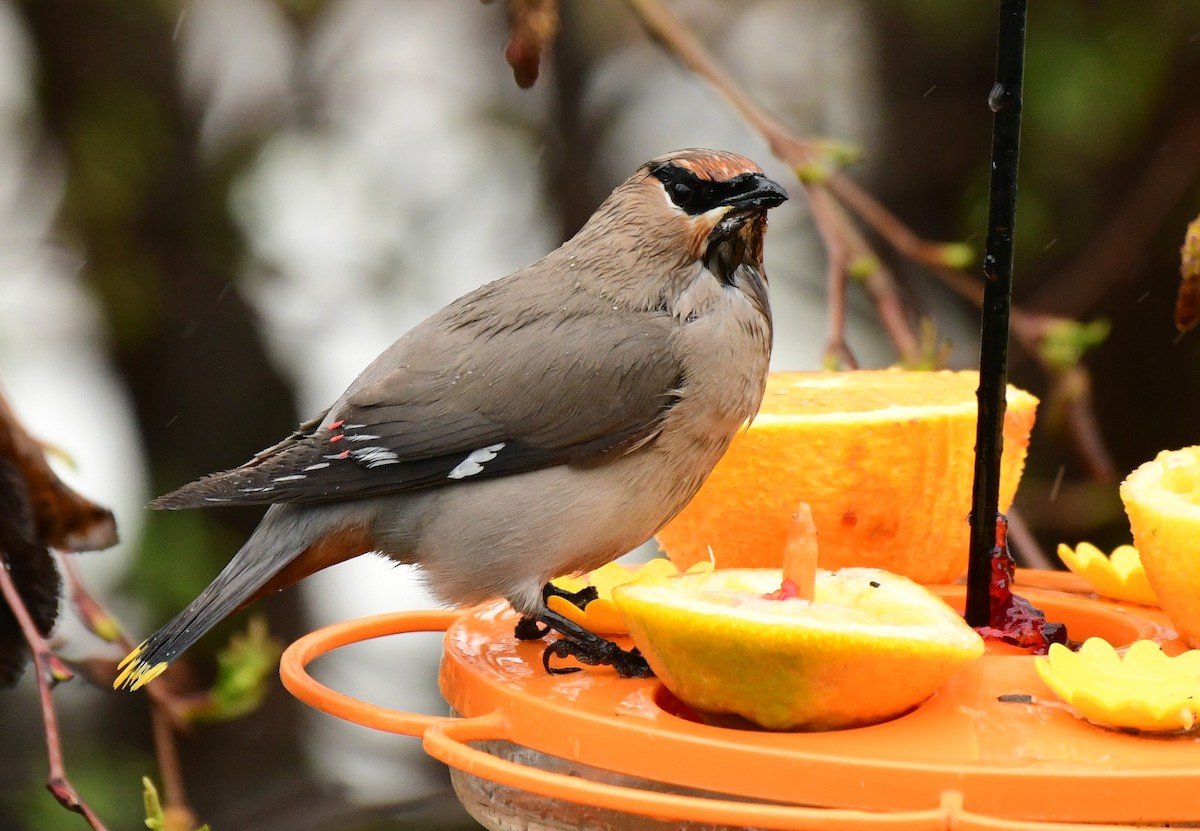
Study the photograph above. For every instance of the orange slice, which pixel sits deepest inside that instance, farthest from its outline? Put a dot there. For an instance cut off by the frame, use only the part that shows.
(1162, 499)
(885, 459)
(870, 646)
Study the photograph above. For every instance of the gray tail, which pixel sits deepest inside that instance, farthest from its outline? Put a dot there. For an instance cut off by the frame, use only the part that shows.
(268, 550)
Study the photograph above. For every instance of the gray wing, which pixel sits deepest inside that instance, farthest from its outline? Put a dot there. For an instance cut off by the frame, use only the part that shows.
(471, 401)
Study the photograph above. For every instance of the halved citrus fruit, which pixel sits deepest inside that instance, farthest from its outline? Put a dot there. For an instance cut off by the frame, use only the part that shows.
(1162, 499)
(870, 646)
(885, 458)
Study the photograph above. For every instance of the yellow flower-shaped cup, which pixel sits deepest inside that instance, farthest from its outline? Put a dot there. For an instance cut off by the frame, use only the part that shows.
(1119, 576)
(1144, 689)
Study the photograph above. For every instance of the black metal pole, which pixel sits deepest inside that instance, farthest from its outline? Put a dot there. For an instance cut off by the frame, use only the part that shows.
(1005, 102)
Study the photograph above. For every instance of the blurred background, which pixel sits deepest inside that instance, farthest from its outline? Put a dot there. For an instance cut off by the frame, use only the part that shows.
(212, 215)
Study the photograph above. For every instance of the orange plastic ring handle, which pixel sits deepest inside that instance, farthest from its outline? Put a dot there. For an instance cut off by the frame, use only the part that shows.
(446, 739)
(293, 669)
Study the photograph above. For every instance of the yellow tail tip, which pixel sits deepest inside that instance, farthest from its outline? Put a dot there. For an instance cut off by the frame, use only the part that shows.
(138, 674)
(132, 655)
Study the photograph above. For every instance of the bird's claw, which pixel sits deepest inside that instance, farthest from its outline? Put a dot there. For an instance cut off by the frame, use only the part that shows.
(528, 629)
(628, 663)
(579, 599)
(576, 641)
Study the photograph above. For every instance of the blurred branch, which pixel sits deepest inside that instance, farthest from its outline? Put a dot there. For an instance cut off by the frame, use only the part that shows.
(879, 283)
(1022, 539)
(674, 35)
(898, 235)
(816, 162)
(166, 711)
(1187, 303)
(39, 512)
(1110, 258)
(837, 352)
(533, 25)
(1070, 386)
(48, 670)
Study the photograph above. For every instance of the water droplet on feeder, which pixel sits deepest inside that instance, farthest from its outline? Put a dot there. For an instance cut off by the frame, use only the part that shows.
(996, 97)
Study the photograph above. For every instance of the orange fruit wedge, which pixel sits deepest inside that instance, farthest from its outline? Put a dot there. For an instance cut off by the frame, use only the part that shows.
(1162, 499)
(870, 646)
(885, 459)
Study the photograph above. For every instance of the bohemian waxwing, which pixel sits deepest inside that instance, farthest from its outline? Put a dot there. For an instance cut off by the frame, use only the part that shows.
(541, 425)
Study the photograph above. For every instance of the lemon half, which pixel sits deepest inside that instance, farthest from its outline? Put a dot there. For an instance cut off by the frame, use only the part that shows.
(1162, 499)
(870, 646)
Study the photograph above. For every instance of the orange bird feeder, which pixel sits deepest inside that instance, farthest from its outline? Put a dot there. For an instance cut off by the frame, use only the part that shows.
(991, 750)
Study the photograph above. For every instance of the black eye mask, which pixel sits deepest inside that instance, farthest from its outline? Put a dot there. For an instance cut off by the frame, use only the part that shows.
(694, 195)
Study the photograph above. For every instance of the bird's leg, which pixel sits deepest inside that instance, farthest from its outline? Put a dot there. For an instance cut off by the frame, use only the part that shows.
(527, 628)
(588, 648)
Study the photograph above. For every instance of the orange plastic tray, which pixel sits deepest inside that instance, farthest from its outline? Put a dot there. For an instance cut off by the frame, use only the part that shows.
(962, 760)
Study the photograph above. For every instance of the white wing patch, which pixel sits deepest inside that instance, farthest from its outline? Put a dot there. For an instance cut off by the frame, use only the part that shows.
(371, 457)
(474, 462)
(246, 490)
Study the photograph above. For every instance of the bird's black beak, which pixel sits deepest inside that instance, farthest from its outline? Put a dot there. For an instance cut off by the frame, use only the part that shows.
(754, 190)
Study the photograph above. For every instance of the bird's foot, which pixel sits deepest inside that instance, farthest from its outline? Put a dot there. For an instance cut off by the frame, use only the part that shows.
(585, 647)
(579, 599)
(628, 663)
(527, 628)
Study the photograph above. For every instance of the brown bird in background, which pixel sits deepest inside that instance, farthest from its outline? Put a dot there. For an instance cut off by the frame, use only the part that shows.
(37, 513)
(542, 425)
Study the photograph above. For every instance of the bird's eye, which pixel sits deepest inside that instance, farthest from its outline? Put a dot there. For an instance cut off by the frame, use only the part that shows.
(681, 194)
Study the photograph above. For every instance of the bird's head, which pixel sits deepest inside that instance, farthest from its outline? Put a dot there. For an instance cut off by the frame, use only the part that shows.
(709, 195)
(693, 206)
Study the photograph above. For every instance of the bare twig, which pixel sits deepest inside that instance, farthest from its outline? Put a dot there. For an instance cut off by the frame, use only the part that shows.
(837, 351)
(43, 658)
(1022, 540)
(166, 751)
(1074, 389)
(1110, 258)
(881, 288)
(101, 623)
(166, 710)
(674, 34)
(885, 223)
(1187, 302)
